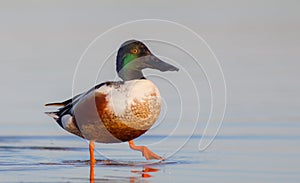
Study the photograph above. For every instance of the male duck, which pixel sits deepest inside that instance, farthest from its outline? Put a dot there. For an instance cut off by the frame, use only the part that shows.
(119, 111)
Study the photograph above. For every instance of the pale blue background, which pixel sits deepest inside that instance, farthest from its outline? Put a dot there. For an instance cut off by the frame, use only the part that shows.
(256, 42)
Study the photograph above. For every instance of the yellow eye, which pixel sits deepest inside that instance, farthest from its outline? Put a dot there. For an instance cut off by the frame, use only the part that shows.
(134, 51)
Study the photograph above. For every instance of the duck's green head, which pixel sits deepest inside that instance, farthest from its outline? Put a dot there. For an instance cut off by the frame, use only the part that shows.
(133, 56)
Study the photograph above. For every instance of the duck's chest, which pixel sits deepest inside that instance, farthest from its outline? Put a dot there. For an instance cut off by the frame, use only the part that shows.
(135, 103)
(122, 110)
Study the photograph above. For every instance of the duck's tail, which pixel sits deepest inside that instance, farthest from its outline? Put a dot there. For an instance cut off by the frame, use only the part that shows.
(59, 104)
(54, 115)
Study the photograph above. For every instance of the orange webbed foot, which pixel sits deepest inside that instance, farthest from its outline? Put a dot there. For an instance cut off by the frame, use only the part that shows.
(147, 153)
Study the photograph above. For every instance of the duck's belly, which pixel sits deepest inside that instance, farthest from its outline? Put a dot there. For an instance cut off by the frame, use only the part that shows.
(118, 112)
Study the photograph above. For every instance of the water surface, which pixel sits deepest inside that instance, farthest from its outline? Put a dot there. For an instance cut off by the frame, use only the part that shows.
(231, 158)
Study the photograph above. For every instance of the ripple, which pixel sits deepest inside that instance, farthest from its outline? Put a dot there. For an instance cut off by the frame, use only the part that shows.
(43, 148)
(108, 162)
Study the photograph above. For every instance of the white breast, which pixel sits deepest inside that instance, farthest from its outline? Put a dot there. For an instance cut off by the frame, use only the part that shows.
(121, 97)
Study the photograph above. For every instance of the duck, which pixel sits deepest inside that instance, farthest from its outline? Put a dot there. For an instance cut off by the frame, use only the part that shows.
(117, 111)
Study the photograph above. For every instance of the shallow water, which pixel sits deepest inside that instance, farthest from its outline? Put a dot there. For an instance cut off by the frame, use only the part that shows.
(234, 158)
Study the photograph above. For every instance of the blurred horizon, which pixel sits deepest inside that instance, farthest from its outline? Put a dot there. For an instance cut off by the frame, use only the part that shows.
(257, 44)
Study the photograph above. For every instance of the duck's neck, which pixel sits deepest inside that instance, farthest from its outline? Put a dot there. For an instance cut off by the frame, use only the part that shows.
(129, 74)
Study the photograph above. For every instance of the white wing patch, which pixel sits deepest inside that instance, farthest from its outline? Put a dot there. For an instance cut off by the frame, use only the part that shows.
(66, 121)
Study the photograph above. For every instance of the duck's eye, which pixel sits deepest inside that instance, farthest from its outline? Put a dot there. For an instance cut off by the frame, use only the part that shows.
(134, 51)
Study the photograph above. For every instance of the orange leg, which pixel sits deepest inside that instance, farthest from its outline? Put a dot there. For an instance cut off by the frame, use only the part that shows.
(92, 173)
(147, 153)
(92, 157)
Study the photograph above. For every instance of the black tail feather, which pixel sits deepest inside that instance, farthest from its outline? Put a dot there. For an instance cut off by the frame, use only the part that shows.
(55, 104)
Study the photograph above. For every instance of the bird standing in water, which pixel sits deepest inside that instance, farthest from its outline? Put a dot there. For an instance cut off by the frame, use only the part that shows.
(117, 111)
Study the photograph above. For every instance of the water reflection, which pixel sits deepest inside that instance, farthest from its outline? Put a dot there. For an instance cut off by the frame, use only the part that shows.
(145, 172)
(92, 172)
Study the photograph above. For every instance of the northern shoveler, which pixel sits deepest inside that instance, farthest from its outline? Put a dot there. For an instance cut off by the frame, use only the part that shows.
(117, 111)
